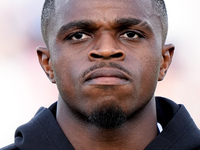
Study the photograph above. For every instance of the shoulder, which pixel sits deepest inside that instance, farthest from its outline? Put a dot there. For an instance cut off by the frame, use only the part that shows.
(178, 127)
(10, 147)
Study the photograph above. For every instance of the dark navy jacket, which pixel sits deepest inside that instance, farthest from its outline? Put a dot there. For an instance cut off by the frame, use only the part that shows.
(44, 133)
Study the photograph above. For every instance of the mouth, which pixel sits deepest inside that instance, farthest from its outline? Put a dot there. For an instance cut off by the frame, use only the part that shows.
(106, 76)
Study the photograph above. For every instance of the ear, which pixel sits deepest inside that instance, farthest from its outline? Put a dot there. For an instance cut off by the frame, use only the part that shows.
(45, 62)
(167, 54)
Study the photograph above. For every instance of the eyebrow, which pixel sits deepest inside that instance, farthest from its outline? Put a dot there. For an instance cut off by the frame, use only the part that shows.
(124, 23)
(82, 24)
(121, 23)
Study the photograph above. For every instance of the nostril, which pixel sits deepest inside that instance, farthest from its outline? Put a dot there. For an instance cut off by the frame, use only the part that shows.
(96, 55)
(117, 55)
(106, 54)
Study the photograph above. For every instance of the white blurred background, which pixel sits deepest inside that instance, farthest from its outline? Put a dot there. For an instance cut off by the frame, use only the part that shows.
(24, 87)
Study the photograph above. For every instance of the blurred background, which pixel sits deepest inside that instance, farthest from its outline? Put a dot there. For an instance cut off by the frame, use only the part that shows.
(24, 87)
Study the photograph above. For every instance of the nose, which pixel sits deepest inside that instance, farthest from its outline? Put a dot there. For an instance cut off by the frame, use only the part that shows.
(106, 48)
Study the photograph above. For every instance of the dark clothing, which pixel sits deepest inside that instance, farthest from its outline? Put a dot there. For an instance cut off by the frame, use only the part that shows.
(44, 133)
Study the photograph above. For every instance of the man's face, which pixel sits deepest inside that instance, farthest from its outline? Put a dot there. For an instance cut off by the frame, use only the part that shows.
(105, 53)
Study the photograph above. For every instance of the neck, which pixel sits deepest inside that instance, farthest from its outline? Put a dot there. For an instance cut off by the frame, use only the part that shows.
(134, 134)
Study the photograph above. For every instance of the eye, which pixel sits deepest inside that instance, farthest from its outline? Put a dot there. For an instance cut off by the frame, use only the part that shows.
(131, 35)
(77, 36)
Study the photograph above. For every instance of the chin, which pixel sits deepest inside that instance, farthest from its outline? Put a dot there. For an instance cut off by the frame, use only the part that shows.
(112, 116)
(107, 117)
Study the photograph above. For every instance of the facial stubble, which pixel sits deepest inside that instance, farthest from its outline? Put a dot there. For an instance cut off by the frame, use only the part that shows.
(107, 117)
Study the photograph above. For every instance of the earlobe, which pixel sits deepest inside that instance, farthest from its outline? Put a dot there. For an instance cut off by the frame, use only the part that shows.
(44, 60)
(167, 54)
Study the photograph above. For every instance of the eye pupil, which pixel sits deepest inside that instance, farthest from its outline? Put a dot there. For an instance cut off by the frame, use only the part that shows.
(130, 34)
(78, 35)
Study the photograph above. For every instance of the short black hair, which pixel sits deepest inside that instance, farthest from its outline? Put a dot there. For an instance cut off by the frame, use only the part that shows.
(47, 14)
(49, 10)
(160, 7)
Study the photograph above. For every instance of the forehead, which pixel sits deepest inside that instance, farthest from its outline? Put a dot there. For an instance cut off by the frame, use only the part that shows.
(70, 10)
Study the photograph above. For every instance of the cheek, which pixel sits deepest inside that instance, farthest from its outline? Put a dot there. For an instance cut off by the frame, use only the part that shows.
(68, 75)
(149, 74)
(65, 76)
(146, 71)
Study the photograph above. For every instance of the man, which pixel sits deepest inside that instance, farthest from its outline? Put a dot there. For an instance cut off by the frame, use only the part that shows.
(106, 56)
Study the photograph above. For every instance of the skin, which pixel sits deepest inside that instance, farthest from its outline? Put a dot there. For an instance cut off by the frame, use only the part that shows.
(113, 35)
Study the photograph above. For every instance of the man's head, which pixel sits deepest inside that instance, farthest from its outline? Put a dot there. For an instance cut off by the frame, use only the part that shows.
(105, 56)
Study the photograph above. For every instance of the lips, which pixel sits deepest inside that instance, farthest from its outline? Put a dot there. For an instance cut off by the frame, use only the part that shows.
(106, 76)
